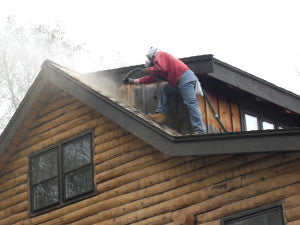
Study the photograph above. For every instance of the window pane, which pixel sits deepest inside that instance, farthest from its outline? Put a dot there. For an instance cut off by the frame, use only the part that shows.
(44, 166)
(251, 122)
(275, 217)
(78, 182)
(77, 153)
(45, 194)
(262, 219)
(267, 125)
(268, 217)
(247, 221)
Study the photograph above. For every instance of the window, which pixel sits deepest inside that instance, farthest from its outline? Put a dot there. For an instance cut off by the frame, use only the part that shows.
(253, 121)
(266, 125)
(266, 215)
(259, 115)
(61, 174)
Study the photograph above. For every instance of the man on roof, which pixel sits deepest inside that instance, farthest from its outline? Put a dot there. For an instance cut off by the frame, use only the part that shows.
(161, 66)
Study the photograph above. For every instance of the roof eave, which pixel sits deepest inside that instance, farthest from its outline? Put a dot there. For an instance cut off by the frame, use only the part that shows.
(255, 86)
(21, 112)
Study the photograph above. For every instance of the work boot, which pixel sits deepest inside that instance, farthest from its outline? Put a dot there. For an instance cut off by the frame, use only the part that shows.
(158, 117)
(198, 133)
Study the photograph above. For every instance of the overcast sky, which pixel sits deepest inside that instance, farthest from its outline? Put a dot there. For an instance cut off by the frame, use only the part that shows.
(259, 37)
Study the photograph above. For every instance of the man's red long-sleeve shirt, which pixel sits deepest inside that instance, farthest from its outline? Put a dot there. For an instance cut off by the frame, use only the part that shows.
(166, 67)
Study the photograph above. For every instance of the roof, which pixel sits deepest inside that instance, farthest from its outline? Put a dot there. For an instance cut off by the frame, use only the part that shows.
(86, 89)
(256, 86)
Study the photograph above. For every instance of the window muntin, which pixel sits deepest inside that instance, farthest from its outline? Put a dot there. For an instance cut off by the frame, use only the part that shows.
(62, 174)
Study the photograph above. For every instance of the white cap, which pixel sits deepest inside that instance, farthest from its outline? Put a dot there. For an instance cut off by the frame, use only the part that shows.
(151, 53)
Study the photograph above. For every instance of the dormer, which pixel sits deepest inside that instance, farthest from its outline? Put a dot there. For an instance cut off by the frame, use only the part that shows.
(242, 101)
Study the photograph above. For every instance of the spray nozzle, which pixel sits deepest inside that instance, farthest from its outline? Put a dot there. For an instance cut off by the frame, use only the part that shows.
(136, 73)
(126, 80)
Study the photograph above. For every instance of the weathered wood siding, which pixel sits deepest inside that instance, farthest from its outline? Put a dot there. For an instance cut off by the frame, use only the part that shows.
(136, 183)
(145, 97)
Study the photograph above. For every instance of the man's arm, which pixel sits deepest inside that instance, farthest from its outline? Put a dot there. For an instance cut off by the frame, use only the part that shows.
(136, 81)
(130, 81)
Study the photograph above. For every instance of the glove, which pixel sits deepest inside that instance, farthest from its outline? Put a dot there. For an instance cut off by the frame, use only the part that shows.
(128, 81)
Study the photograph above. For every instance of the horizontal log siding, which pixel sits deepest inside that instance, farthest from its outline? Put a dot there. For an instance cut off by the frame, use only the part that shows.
(137, 184)
(292, 207)
(54, 118)
(25, 127)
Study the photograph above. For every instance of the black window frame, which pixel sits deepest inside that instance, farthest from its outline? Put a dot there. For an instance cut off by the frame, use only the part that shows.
(264, 111)
(62, 201)
(243, 115)
(258, 210)
(260, 119)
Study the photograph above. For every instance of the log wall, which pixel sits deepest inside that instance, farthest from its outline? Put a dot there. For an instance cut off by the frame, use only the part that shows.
(136, 183)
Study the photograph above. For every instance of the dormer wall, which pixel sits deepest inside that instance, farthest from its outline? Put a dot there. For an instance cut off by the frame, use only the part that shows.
(146, 97)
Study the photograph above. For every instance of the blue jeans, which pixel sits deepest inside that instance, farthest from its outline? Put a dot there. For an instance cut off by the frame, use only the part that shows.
(187, 91)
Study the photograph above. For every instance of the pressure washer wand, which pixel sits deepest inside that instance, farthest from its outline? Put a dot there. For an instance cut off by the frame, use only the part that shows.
(130, 73)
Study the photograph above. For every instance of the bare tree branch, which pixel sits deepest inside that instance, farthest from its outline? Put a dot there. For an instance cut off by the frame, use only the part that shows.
(21, 54)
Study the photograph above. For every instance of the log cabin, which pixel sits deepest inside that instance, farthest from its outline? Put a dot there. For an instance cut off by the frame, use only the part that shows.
(80, 150)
